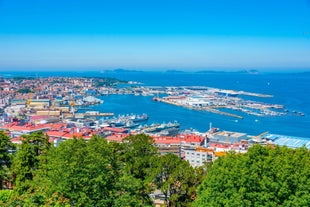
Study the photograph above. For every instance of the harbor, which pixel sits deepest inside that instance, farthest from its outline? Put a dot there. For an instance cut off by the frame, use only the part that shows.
(209, 109)
(178, 119)
(191, 106)
(213, 100)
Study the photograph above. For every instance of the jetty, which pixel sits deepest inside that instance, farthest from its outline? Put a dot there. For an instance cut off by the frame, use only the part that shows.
(209, 109)
(254, 94)
(93, 114)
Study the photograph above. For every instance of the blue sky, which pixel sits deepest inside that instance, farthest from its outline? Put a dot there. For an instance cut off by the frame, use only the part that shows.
(155, 34)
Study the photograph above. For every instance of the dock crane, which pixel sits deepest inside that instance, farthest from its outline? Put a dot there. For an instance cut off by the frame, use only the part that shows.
(28, 101)
(227, 137)
(259, 137)
(72, 106)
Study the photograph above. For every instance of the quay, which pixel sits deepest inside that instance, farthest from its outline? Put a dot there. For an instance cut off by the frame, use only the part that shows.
(100, 114)
(93, 114)
(221, 112)
(209, 109)
(255, 94)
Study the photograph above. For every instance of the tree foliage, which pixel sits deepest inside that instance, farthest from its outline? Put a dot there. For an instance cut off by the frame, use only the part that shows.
(6, 150)
(27, 160)
(140, 157)
(24, 90)
(98, 173)
(176, 179)
(262, 177)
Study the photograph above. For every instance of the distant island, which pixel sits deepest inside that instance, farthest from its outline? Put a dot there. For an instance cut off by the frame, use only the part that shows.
(121, 70)
(175, 71)
(222, 71)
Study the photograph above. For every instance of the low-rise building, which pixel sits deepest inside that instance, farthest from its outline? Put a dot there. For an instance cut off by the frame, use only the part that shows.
(199, 156)
(228, 137)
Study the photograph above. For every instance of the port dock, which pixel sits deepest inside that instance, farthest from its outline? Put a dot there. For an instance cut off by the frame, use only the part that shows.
(209, 109)
(93, 114)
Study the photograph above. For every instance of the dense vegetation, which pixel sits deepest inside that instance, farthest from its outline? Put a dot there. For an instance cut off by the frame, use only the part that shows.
(98, 173)
(95, 173)
(24, 90)
(99, 82)
(262, 177)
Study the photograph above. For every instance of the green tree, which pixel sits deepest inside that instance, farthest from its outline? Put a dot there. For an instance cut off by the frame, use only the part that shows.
(176, 179)
(30, 155)
(140, 158)
(24, 166)
(6, 149)
(40, 142)
(67, 171)
(139, 153)
(262, 177)
(92, 173)
(24, 90)
(5, 196)
(31, 199)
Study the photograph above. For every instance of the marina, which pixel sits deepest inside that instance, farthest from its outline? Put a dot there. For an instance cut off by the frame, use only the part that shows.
(189, 104)
(209, 109)
(116, 113)
(213, 100)
(95, 114)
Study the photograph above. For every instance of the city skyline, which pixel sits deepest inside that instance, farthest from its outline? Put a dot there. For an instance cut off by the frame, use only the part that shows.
(159, 35)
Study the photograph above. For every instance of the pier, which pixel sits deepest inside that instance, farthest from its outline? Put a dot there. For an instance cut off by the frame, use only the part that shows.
(254, 94)
(100, 114)
(221, 112)
(209, 109)
(93, 114)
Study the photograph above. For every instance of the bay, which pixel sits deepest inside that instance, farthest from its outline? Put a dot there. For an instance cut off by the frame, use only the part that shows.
(289, 89)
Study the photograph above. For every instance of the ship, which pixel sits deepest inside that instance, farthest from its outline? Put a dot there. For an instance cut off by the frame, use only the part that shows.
(169, 125)
(127, 121)
(139, 118)
(156, 128)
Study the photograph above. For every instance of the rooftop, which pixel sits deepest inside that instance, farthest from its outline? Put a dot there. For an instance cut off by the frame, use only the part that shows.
(230, 134)
(289, 141)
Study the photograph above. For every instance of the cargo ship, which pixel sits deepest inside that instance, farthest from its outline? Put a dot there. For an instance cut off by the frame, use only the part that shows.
(139, 118)
(128, 121)
(155, 128)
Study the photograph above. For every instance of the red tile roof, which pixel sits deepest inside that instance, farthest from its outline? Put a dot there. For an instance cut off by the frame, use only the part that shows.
(24, 128)
(72, 135)
(217, 145)
(55, 133)
(184, 138)
(117, 130)
(117, 137)
(37, 117)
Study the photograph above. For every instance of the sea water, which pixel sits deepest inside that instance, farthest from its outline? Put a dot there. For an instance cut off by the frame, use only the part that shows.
(288, 89)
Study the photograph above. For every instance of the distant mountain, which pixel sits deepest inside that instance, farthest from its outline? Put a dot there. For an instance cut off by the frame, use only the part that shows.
(175, 71)
(211, 71)
(120, 70)
(221, 71)
(249, 71)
